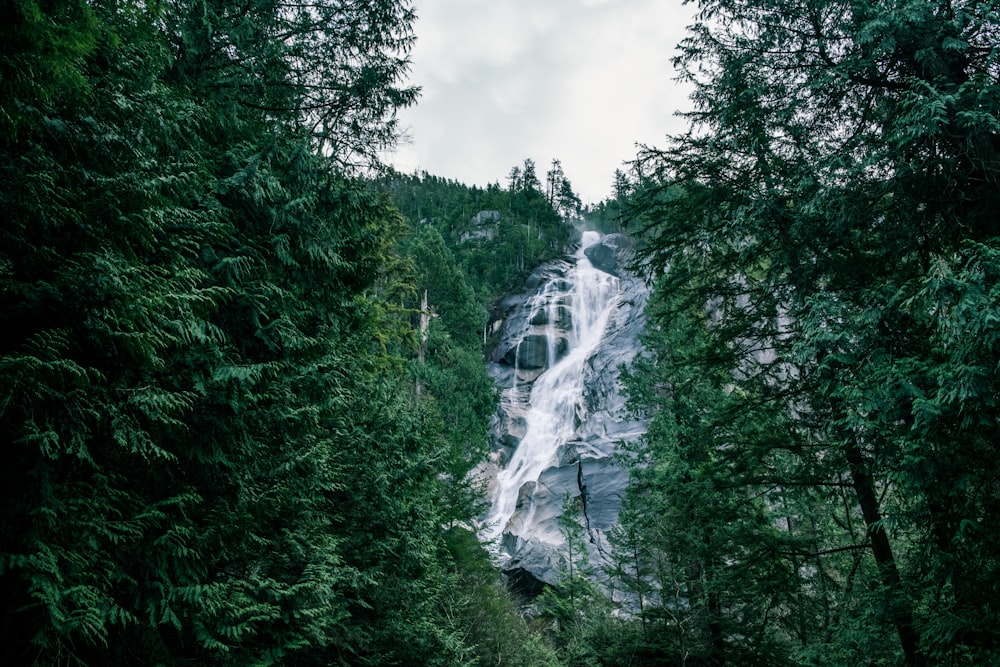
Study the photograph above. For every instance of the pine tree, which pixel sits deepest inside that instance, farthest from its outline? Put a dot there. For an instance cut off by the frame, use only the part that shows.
(216, 456)
(840, 171)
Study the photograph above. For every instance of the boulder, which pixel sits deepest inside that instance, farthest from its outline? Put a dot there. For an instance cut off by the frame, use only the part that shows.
(612, 254)
(603, 257)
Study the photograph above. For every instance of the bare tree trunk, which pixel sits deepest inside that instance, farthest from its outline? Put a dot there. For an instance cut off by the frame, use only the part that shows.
(425, 322)
(900, 607)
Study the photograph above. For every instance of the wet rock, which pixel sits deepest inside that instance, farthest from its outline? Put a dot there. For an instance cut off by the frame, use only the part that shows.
(533, 352)
(603, 257)
(516, 310)
(612, 254)
(563, 318)
(583, 466)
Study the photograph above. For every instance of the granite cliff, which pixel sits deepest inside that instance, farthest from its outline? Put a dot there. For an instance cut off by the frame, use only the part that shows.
(561, 344)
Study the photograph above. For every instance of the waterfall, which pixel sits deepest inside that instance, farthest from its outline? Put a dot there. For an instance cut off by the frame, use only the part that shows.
(568, 315)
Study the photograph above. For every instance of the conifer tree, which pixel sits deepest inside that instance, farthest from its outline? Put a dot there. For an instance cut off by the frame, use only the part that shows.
(216, 457)
(839, 173)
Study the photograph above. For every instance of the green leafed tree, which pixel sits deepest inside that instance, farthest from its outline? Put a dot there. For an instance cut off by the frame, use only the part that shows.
(829, 221)
(215, 455)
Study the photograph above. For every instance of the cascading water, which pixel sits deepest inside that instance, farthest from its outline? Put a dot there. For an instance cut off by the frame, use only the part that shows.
(569, 316)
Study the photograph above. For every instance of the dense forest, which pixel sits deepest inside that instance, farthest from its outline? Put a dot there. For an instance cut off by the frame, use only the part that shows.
(819, 483)
(226, 429)
(242, 381)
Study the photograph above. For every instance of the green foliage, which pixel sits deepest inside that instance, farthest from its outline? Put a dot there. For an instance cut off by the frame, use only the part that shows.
(574, 595)
(447, 290)
(559, 192)
(43, 48)
(450, 366)
(332, 70)
(483, 611)
(464, 397)
(215, 452)
(821, 239)
(699, 547)
(496, 236)
(578, 611)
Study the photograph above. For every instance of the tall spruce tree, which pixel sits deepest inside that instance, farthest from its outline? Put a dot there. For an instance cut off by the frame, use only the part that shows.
(829, 225)
(215, 455)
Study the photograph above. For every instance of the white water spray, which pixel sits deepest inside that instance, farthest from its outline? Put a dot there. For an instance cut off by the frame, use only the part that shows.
(556, 405)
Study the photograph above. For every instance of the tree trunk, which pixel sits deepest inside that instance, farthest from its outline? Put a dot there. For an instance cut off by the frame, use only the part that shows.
(425, 322)
(900, 607)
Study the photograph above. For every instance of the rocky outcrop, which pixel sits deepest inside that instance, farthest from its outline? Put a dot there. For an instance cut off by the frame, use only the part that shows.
(543, 332)
(535, 351)
(483, 226)
(611, 254)
(485, 217)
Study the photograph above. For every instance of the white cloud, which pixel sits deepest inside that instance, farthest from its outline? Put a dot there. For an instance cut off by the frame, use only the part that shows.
(508, 80)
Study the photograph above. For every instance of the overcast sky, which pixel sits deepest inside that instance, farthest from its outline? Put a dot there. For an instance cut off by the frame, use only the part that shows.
(582, 81)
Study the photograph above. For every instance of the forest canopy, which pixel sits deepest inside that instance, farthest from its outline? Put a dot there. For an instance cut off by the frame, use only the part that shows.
(242, 387)
(819, 483)
(225, 444)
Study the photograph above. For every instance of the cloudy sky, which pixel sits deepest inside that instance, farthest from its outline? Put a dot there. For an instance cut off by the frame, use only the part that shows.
(582, 81)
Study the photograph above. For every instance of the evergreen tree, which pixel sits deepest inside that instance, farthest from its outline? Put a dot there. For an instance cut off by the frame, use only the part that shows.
(578, 609)
(216, 454)
(497, 253)
(704, 551)
(831, 215)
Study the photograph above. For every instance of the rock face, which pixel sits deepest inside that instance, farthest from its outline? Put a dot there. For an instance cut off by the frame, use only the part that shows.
(561, 344)
(612, 254)
(483, 226)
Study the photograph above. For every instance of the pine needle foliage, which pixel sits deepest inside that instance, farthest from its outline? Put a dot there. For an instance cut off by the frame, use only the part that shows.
(824, 235)
(522, 228)
(215, 453)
